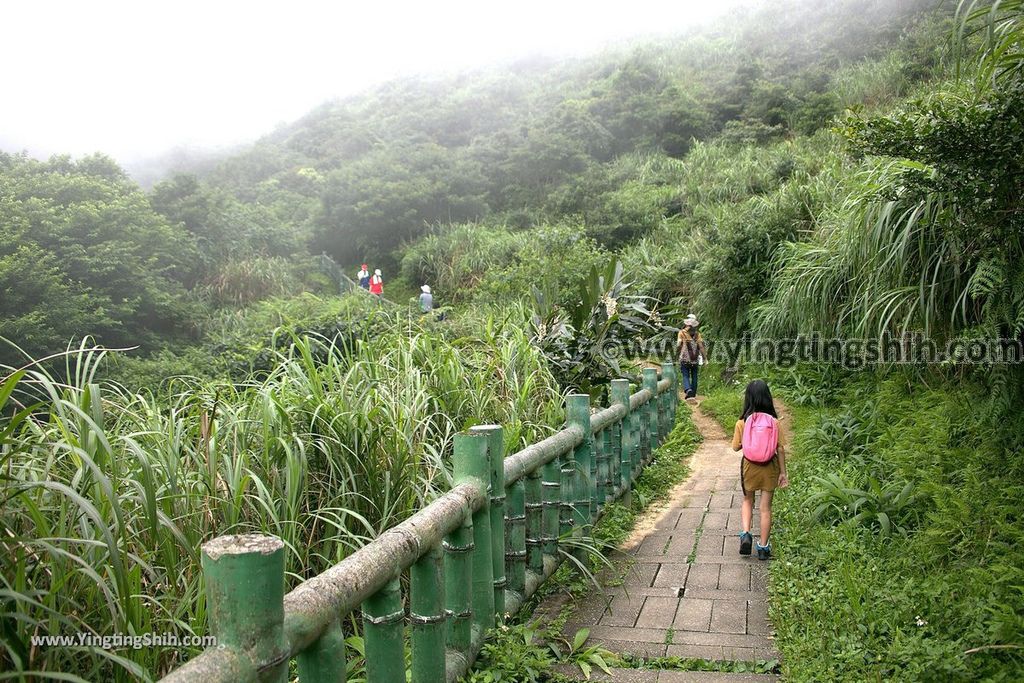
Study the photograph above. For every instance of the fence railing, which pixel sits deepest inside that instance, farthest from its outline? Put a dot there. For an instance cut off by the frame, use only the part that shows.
(331, 269)
(477, 551)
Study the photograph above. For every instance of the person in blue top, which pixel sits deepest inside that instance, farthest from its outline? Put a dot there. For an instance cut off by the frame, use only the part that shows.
(364, 277)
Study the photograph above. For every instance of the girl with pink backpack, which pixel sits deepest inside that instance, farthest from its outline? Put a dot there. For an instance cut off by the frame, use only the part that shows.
(763, 466)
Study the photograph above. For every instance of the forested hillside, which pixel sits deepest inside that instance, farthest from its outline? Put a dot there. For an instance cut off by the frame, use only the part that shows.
(850, 169)
(586, 152)
(539, 142)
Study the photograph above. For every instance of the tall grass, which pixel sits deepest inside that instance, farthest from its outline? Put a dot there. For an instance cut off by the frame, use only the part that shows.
(108, 494)
(898, 544)
(491, 265)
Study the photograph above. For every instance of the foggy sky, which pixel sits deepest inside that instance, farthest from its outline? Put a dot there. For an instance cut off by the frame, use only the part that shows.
(133, 79)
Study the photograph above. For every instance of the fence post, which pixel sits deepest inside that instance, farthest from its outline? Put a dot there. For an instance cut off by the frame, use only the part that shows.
(473, 465)
(578, 415)
(551, 515)
(534, 523)
(567, 489)
(515, 534)
(642, 433)
(651, 384)
(496, 457)
(598, 473)
(427, 616)
(324, 660)
(620, 395)
(669, 370)
(609, 447)
(668, 408)
(383, 619)
(458, 546)
(245, 598)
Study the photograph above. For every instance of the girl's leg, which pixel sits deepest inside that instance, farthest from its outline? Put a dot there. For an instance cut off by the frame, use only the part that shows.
(766, 515)
(747, 510)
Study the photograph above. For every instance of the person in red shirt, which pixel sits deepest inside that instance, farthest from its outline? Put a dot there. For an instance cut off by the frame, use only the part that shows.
(377, 283)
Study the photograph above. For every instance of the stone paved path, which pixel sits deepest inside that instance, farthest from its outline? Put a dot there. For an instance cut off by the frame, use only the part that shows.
(687, 592)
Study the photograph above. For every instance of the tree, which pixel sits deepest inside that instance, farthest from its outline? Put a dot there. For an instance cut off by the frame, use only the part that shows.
(107, 264)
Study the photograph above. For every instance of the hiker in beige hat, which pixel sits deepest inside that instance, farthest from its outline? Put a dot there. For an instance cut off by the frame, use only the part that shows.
(690, 353)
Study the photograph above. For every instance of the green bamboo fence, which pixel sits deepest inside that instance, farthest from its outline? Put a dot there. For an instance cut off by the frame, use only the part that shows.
(475, 554)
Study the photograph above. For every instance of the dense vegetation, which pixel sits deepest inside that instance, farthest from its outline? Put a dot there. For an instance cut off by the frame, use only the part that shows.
(109, 494)
(849, 169)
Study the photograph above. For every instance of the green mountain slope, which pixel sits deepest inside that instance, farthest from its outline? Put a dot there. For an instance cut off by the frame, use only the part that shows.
(539, 140)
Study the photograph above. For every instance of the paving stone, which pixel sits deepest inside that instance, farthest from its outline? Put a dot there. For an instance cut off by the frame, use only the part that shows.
(653, 546)
(633, 647)
(657, 613)
(696, 499)
(680, 546)
(572, 672)
(669, 521)
(719, 639)
(721, 500)
(643, 591)
(587, 612)
(729, 616)
(713, 677)
(623, 610)
(641, 574)
(602, 633)
(734, 577)
(759, 577)
(692, 651)
(710, 544)
(703, 576)
(715, 520)
(693, 615)
(689, 519)
(739, 654)
(673, 575)
(731, 557)
(757, 618)
(705, 594)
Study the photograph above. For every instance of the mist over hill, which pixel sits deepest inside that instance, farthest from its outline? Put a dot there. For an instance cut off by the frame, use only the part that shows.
(537, 139)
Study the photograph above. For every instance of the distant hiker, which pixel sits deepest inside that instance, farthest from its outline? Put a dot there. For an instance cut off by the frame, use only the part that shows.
(691, 354)
(377, 283)
(763, 467)
(426, 300)
(364, 277)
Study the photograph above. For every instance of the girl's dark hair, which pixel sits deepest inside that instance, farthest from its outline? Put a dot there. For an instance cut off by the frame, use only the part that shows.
(758, 399)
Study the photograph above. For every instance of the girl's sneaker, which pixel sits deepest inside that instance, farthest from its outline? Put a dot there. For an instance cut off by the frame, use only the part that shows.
(746, 540)
(764, 551)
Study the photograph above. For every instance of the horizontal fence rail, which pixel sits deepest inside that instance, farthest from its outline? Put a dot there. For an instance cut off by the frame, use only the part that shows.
(473, 555)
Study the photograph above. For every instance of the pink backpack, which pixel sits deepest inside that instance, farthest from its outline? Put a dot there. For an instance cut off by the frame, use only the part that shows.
(760, 437)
